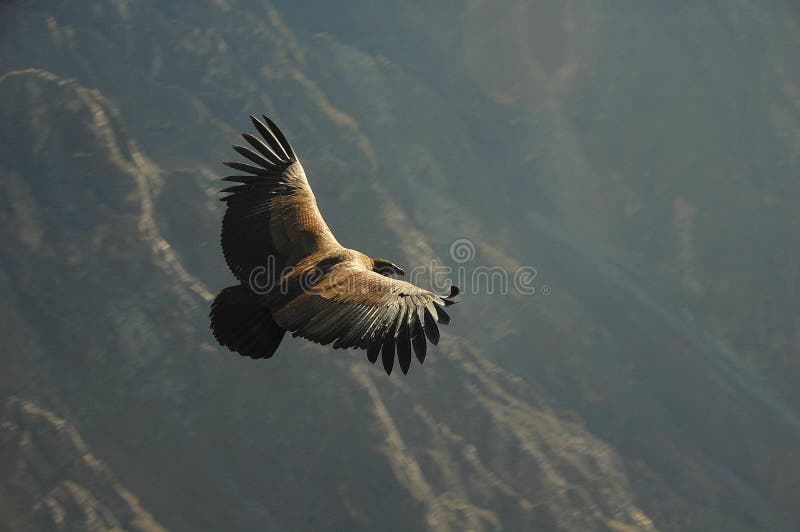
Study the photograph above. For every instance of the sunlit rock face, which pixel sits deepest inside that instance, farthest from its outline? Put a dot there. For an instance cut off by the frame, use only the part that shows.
(54, 482)
(641, 159)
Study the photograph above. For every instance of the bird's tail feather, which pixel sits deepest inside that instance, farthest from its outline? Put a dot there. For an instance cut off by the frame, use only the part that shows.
(242, 324)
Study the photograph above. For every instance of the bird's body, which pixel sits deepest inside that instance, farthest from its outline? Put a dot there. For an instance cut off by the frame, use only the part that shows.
(295, 276)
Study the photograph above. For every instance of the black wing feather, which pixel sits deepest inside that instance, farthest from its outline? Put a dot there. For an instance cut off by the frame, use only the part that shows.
(281, 138)
(270, 138)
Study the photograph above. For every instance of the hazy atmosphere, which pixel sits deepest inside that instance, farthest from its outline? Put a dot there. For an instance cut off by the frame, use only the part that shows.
(615, 187)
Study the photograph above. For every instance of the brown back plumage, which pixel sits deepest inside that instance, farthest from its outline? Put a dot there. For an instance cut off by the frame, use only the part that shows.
(294, 275)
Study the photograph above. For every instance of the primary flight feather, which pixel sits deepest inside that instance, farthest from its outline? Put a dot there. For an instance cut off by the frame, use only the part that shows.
(295, 276)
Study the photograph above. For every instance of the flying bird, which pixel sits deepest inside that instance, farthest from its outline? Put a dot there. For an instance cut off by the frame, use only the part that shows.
(295, 276)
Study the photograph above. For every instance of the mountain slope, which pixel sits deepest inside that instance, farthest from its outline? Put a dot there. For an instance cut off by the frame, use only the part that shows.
(621, 400)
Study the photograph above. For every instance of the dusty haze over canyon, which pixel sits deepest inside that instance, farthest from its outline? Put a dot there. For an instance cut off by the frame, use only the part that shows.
(642, 157)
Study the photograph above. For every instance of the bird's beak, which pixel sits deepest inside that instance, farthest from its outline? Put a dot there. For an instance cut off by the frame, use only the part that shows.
(399, 271)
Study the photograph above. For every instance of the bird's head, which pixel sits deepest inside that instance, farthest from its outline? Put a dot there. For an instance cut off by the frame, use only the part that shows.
(387, 268)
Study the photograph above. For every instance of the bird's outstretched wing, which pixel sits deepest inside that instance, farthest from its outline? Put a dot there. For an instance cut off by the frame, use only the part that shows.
(272, 211)
(359, 308)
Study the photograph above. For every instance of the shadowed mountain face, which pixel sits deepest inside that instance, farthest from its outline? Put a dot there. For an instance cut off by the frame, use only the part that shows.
(643, 160)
